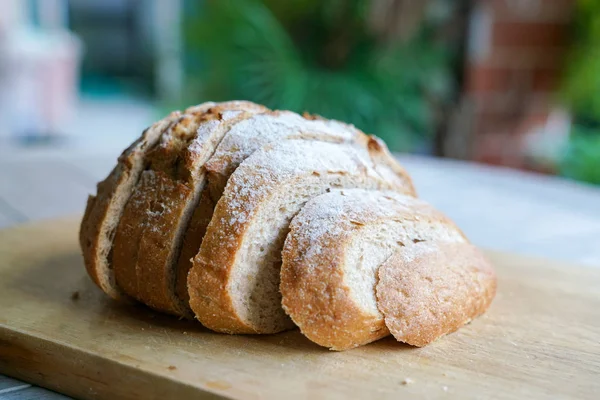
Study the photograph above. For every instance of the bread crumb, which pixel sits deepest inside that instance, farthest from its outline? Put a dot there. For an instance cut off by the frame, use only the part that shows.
(75, 295)
(172, 368)
(407, 381)
(445, 388)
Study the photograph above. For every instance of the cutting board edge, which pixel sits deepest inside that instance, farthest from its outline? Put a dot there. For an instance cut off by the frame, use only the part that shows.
(18, 348)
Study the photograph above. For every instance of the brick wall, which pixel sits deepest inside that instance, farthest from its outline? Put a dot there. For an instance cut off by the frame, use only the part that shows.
(515, 56)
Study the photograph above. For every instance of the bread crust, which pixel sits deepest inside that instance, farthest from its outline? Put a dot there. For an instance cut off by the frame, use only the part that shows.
(251, 186)
(387, 166)
(307, 292)
(104, 210)
(149, 236)
(314, 286)
(430, 292)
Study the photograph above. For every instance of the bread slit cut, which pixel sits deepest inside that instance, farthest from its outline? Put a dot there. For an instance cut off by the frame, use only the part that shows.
(249, 135)
(150, 234)
(104, 210)
(335, 247)
(434, 290)
(234, 281)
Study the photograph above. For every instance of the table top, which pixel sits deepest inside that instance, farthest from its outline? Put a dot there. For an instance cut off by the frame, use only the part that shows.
(497, 208)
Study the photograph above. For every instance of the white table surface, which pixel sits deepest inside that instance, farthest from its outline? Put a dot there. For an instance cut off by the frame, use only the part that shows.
(497, 208)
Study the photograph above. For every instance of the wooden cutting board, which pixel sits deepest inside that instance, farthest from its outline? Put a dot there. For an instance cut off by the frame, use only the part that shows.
(540, 339)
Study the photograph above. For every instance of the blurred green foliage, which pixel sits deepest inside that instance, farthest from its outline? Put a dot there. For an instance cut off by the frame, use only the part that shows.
(582, 159)
(581, 93)
(581, 88)
(320, 57)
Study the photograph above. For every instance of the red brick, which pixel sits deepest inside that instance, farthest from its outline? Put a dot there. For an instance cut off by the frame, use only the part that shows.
(505, 104)
(488, 79)
(496, 124)
(485, 79)
(526, 57)
(537, 10)
(512, 124)
(523, 34)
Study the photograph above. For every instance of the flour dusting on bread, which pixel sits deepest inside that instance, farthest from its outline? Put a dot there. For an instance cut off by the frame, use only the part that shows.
(335, 246)
(284, 220)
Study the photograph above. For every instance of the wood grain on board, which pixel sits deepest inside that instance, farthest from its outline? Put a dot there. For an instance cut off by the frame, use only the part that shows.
(540, 339)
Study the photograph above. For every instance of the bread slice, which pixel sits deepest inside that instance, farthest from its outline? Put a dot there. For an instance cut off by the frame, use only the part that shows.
(104, 210)
(249, 135)
(336, 244)
(234, 282)
(433, 290)
(149, 235)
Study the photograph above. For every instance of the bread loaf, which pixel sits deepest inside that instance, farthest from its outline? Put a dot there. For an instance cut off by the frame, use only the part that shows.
(336, 245)
(282, 216)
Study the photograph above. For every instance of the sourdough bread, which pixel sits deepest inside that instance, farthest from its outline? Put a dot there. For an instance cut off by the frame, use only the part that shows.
(431, 291)
(234, 281)
(335, 247)
(149, 235)
(284, 216)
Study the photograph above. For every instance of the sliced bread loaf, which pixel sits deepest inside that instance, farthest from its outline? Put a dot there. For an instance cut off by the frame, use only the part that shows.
(335, 247)
(430, 291)
(104, 210)
(249, 135)
(149, 235)
(234, 282)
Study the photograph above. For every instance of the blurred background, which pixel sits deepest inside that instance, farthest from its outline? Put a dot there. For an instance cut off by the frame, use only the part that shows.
(505, 82)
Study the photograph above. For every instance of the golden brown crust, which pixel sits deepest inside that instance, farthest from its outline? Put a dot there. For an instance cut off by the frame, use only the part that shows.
(152, 228)
(317, 299)
(192, 241)
(89, 231)
(127, 240)
(143, 205)
(104, 210)
(431, 292)
(154, 275)
(314, 287)
(388, 167)
(211, 267)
